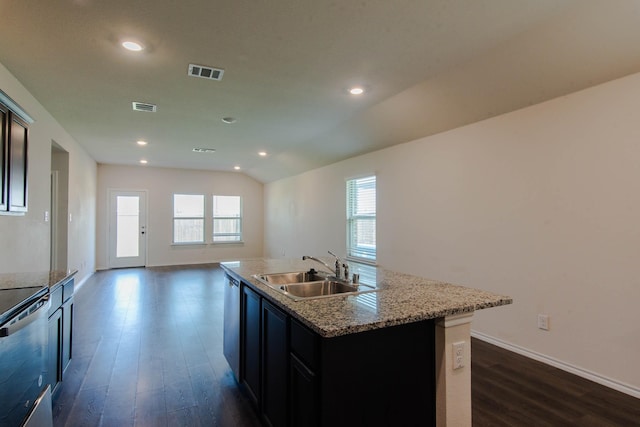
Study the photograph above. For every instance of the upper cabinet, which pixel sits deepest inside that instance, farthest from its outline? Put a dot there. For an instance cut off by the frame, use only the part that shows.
(4, 119)
(14, 144)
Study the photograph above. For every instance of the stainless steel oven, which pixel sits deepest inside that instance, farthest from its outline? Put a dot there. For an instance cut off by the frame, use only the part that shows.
(23, 357)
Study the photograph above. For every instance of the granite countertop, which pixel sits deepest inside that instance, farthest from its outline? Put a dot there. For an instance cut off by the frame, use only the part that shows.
(33, 279)
(401, 298)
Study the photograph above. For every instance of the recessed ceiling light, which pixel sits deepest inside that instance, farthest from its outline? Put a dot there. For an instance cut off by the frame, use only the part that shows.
(356, 90)
(143, 161)
(237, 168)
(132, 46)
(229, 120)
(141, 142)
(262, 153)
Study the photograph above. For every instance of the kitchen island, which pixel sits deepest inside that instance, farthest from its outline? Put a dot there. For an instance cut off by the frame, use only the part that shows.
(376, 358)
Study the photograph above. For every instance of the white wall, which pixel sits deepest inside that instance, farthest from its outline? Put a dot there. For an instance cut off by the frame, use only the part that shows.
(161, 184)
(541, 204)
(26, 239)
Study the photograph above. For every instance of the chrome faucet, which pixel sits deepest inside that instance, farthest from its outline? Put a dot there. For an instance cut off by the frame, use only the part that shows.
(305, 257)
(338, 264)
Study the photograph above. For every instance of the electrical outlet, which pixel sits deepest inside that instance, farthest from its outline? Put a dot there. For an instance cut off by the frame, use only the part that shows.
(458, 355)
(543, 322)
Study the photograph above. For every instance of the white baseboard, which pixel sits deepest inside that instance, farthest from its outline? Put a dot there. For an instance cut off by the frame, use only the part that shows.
(78, 285)
(592, 376)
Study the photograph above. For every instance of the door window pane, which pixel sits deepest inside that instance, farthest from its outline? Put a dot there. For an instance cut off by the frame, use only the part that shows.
(127, 226)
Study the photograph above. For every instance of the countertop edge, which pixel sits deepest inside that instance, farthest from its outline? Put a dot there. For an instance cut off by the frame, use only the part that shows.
(51, 279)
(289, 306)
(59, 280)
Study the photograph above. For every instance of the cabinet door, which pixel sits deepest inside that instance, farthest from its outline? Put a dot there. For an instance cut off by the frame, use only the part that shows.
(67, 332)
(18, 165)
(303, 395)
(250, 348)
(4, 146)
(55, 340)
(275, 364)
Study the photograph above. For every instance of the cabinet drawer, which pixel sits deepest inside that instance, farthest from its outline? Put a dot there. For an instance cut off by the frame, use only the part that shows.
(304, 344)
(67, 290)
(56, 300)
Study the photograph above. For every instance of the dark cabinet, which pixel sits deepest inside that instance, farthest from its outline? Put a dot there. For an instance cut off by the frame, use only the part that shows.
(13, 161)
(303, 378)
(60, 332)
(55, 340)
(250, 341)
(18, 165)
(264, 356)
(67, 333)
(275, 364)
(4, 155)
(303, 395)
(296, 377)
(385, 376)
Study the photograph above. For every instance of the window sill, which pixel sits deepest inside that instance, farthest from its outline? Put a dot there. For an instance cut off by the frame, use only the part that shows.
(209, 244)
(190, 244)
(13, 213)
(240, 243)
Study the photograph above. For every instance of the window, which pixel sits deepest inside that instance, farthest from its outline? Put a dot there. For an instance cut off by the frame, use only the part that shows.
(188, 218)
(361, 219)
(227, 219)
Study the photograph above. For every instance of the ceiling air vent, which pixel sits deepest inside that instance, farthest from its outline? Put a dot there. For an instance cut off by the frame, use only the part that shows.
(205, 72)
(204, 150)
(143, 106)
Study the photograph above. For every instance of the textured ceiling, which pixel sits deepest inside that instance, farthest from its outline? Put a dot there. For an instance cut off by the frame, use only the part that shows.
(428, 65)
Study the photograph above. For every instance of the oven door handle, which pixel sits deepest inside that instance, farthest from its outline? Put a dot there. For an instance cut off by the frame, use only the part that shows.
(41, 309)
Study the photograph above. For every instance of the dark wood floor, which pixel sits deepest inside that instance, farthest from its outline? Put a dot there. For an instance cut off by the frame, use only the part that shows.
(512, 390)
(147, 351)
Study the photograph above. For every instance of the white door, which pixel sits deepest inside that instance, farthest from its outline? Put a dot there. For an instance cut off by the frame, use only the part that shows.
(127, 229)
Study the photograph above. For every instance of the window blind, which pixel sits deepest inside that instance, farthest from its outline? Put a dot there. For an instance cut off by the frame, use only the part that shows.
(188, 218)
(361, 219)
(227, 219)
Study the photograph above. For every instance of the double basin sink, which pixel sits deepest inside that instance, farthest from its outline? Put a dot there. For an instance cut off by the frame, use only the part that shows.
(301, 285)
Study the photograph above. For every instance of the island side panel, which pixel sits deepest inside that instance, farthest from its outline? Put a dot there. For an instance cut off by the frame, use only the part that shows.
(453, 386)
(380, 377)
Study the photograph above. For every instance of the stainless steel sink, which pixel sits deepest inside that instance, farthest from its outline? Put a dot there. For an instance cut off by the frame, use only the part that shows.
(302, 285)
(318, 289)
(293, 277)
